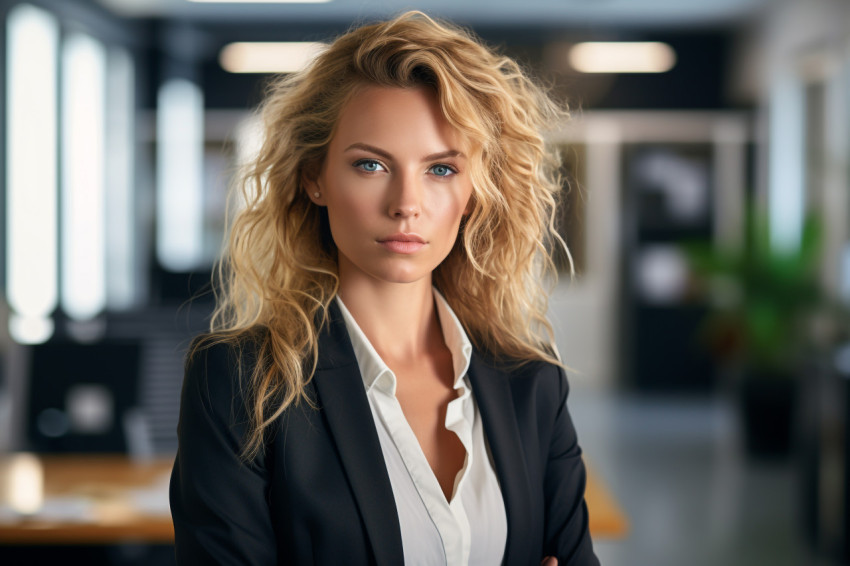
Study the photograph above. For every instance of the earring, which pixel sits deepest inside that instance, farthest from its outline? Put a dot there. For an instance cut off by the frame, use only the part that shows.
(317, 194)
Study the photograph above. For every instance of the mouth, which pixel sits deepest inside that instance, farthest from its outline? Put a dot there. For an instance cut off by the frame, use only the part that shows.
(402, 243)
(402, 237)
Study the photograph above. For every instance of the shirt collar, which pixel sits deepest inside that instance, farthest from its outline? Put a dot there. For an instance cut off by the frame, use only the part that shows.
(376, 373)
(455, 337)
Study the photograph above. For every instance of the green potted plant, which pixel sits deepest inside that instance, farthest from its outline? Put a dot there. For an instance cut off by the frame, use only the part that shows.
(763, 299)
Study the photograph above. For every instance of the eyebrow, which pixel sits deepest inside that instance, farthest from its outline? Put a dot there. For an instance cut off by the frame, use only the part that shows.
(387, 156)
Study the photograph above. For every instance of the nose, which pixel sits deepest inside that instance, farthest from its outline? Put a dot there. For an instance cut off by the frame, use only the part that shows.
(405, 197)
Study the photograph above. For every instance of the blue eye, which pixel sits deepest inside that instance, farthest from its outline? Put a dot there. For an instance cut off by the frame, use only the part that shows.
(369, 165)
(442, 170)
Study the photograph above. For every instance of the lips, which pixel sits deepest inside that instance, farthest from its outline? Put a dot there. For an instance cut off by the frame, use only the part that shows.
(402, 243)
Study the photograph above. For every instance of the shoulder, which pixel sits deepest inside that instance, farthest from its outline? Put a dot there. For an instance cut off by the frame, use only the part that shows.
(518, 371)
(213, 355)
(539, 381)
(218, 372)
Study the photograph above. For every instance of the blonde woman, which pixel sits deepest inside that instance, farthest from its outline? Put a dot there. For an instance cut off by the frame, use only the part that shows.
(378, 386)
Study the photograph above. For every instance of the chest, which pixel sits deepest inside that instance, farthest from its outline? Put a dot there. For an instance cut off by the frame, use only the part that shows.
(330, 492)
(423, 393)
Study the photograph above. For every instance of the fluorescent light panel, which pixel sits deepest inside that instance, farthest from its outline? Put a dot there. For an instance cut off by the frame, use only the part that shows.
(268, 57)
(83, 168)
(121, 255)
(31, 172)
(622, 57)
(260, 1)
(786, 168)
(180, 139)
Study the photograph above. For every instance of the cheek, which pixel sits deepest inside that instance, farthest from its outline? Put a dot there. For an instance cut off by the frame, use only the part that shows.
(349, 211)
(469, 203)
(345, 221)
(351, 222)
(346, 202)
(454, 205)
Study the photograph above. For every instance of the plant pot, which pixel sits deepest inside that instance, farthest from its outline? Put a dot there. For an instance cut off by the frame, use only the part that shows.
(768, 412)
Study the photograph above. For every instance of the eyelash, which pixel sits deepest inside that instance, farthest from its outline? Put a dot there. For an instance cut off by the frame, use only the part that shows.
(451, 169)
(361, 162)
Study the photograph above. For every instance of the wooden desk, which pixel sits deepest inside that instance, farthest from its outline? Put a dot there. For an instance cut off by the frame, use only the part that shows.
(607, 520)
(120, 500)
(117, 500)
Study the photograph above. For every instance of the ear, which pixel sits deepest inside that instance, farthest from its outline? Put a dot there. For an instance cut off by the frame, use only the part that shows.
(310, 183)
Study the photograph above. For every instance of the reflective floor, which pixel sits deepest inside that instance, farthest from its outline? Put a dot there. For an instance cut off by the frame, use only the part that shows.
(691, 496)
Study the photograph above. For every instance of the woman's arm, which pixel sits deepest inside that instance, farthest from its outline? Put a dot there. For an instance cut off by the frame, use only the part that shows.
(567, 535)
(218, 502)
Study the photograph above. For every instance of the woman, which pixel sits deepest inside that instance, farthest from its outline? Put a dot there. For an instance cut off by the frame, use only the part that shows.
(378, 386)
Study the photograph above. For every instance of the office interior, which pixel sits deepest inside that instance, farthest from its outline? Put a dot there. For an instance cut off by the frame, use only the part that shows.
(705, 204)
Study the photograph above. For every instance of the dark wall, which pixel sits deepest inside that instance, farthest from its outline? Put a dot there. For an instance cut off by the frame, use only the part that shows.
(698, 81)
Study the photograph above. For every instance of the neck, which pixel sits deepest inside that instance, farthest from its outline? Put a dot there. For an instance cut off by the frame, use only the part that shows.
(399, 320)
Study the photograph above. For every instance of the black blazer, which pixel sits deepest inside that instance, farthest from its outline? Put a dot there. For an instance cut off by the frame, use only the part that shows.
(320, 492)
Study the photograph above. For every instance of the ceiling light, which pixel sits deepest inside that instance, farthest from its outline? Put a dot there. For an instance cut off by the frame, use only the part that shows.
(262, 1)
(622, 57)
(258, 57)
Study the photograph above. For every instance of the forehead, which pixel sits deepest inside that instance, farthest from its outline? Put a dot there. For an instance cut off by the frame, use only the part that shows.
(396, 119)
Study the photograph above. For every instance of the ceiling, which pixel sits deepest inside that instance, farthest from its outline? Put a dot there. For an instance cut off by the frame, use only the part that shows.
(604, 13)
(533, 32)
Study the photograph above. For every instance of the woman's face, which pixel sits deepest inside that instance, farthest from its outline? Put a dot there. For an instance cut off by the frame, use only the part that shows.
(396, 184)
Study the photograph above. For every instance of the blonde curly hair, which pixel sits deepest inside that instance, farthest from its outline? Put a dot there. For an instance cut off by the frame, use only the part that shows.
(279, 270)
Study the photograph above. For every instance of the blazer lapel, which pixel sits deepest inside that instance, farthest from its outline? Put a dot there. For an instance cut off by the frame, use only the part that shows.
(492, 392)
(343, 400)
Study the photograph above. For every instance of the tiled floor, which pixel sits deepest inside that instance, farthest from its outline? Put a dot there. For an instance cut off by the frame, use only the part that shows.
(691, 497)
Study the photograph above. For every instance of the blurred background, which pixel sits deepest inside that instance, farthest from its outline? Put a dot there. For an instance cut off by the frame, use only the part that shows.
(706, 206)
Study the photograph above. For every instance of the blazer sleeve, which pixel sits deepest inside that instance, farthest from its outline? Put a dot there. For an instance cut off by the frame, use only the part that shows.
(218, 501)
(567, 534)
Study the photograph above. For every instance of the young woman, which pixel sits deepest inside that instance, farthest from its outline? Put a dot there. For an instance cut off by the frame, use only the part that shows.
(379, 385)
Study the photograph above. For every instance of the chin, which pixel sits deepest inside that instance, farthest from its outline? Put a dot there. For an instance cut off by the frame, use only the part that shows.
(401, 275)
(397, 270)
(402, 278)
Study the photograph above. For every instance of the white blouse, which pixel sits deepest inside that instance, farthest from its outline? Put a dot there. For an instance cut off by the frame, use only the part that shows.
(472, 527)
